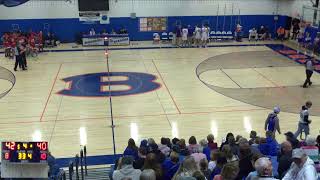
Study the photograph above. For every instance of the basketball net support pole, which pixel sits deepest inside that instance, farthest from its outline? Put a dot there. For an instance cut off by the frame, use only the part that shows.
(110, 102)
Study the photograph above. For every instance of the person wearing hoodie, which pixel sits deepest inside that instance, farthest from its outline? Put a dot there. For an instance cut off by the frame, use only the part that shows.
(270, 148)
(126, 170)
(302, 168)
(272, 121)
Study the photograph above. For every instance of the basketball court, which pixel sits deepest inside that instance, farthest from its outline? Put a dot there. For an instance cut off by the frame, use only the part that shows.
(63, 98)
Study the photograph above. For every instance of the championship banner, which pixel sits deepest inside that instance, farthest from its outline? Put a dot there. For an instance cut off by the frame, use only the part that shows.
(89, 16)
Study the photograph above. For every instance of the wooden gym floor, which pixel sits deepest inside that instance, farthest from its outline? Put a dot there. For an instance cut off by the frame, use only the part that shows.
(214, 90)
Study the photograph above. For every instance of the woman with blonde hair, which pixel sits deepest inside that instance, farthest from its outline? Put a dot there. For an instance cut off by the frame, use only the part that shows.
(186, 169)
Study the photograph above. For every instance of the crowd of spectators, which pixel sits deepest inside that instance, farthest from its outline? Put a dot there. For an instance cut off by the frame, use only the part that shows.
(236, 158)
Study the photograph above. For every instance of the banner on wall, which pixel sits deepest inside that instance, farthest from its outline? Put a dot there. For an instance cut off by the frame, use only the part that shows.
(12, 3)
(89, 16)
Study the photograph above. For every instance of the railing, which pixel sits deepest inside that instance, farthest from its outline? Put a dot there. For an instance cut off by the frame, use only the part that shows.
(79, 161)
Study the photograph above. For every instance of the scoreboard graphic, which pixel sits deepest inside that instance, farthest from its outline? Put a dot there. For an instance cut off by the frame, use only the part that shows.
(24, 152)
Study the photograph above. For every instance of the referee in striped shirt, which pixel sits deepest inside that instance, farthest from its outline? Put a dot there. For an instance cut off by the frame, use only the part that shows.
(309, 72)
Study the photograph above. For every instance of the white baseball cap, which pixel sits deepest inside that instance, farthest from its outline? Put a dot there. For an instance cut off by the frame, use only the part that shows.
(276, 109)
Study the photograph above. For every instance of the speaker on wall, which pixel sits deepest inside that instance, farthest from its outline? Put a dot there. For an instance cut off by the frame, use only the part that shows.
(93, 5)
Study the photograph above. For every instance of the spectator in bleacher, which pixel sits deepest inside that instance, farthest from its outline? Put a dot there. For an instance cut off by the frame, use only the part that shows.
(204, 148)
(253, 136)
(233, 145)
(262, 33)
(186, 169)
(292, 139)
(204, 168)
(152, 162)
(144, 144)
(126, 170)
(318, 142)
(311, 150)
(198, 156)
(142, 153)
(193, 145)
(253, 174)
(183, 148)
(152, 146)
(255, 144)
(163, 147)
(280, 33)
(238, 137)
(171, 165)
(245, 165)
(213, 159)
(221, 161)
(198, 175)
(229, 172)
(131, 149)
(53, 166)
(254, 149)
(270, 147)
(211, 144)
(263, 166)
(253, 34)
(272, 122)
(226, 140)
(302, 167)
(230, 156)
(148, 174)
(284, 158)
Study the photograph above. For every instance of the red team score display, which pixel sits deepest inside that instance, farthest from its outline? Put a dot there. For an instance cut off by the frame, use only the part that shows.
(24, 152)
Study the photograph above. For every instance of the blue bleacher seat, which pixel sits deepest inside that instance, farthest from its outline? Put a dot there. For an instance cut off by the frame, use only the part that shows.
(164, 36)
(212, 35)
(170, 36)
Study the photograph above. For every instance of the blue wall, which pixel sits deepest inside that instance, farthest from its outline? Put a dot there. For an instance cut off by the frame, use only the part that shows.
(66, 29)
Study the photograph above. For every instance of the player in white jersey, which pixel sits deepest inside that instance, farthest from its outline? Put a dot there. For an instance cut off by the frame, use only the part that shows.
(185, 36)
(204, 35)
(197, 33)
